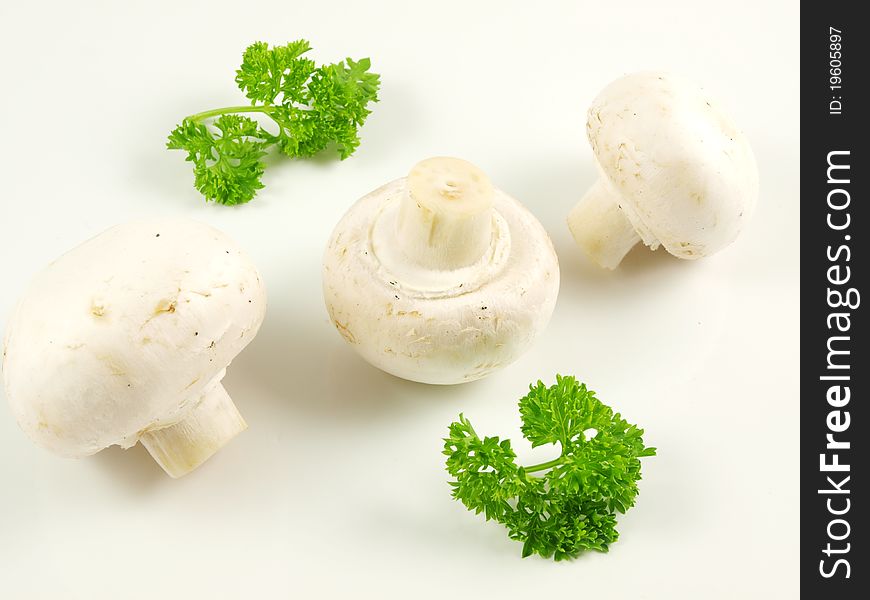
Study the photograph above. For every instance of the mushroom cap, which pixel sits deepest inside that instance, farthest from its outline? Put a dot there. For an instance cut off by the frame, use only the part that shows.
(121, 334)
(473, 321)
(685, 175)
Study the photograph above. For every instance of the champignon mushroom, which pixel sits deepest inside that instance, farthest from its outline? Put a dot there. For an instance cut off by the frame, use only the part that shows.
(126, 338)
(440, 277)
(674, 171)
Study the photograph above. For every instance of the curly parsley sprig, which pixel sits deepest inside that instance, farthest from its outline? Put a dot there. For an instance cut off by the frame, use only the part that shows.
(312, 107)
(563, 506)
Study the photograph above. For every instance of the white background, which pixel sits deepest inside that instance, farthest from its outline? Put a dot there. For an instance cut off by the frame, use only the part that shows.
(337, 489)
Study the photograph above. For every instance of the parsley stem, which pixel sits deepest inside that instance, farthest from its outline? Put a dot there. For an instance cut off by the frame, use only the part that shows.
(545, 465)
(216, 112)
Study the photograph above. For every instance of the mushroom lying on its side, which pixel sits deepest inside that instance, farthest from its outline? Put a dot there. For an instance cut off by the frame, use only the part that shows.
(674, 171)
(126, 338)
(440, 277)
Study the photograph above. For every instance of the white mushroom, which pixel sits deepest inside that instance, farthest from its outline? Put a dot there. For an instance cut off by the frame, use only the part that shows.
(126, 338)
(440, 277)
(674, 171)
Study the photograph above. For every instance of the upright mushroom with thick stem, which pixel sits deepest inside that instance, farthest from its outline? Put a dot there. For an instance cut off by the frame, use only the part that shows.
(674, 171)
(126, 339)
(440, 277)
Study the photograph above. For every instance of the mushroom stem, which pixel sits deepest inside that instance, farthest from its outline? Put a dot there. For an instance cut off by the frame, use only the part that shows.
(600, 227)
(182, 447)
(445, 218)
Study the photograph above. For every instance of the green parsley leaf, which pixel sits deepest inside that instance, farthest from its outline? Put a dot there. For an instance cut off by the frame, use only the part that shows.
(313, 107)
(267, 72)
(227, 163)
(564, 506)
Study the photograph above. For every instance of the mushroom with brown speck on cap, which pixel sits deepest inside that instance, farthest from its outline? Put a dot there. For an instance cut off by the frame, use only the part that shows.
(126, 338)
(674, 171)
(439, 277)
